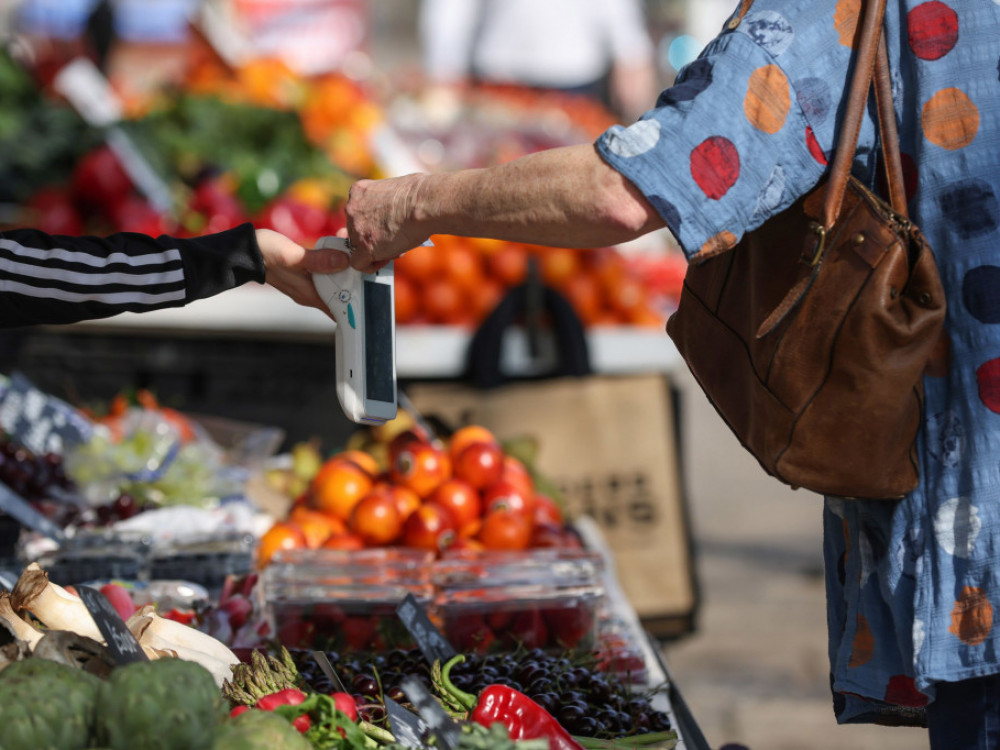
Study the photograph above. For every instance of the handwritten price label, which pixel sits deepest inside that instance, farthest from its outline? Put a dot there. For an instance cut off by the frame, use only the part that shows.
(122, 644)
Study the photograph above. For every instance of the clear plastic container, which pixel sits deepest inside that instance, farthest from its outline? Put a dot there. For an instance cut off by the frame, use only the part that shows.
(343, 600)
(503, 601)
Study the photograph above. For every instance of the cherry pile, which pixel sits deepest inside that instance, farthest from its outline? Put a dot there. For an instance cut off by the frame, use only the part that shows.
(41, 479)
(29, 475)
(586, 702)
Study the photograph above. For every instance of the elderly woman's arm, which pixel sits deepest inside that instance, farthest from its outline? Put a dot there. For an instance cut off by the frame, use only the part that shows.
(568, 197)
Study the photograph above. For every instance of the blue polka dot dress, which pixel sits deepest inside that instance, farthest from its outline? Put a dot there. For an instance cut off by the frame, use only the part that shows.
(913, 586)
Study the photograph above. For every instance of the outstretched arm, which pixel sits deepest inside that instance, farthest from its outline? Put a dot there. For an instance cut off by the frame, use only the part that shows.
(568, 197)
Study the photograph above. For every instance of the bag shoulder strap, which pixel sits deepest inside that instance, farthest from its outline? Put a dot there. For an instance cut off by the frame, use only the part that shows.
(871, 47)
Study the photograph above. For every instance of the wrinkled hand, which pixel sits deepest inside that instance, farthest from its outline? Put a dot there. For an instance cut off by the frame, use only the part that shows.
(380, 220)
(289, 266)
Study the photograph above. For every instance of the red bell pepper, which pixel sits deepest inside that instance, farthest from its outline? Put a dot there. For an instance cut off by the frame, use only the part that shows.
(520, 715)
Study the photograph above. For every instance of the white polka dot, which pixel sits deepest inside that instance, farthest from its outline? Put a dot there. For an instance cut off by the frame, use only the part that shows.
(957, 526)
(867, 557)
(634, 140)
(769, 29)
(918, 637)
(836, 506)
(770, 196)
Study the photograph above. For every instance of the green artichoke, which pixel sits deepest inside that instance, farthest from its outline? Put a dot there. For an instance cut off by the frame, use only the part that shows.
(45, 705)
(259, 730)
(166, 704)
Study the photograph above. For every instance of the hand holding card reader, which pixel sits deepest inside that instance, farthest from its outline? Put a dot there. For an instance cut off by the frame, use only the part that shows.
(363, 306)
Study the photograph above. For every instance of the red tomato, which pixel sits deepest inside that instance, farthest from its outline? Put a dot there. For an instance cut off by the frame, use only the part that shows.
(480, 464)
(461, 499)
(515, 472)
(509, 497)
(546, 510)
(505, 531)
(429, 527)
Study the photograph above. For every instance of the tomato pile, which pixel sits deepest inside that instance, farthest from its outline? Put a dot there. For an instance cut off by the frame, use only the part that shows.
(465, 493)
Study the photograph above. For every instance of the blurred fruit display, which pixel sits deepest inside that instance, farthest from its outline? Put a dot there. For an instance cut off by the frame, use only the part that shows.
(460, 280)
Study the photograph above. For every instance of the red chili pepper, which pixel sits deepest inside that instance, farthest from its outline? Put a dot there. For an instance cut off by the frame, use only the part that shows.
(239, 710)
(302, 723)
(286, 697)
(520, 715)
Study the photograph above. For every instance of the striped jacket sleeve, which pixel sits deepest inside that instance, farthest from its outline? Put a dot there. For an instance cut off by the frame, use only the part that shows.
(49, 279)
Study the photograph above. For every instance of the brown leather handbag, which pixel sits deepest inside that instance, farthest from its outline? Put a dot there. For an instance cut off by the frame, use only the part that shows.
(811, 335)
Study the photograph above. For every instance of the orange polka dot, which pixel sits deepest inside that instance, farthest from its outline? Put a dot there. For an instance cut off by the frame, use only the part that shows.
(845, 20)
(767, 101)
(716, 244)
(972, 616)
(864, 644)
(950, 119)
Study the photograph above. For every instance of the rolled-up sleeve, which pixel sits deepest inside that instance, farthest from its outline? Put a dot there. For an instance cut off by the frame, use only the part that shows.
(746, 129)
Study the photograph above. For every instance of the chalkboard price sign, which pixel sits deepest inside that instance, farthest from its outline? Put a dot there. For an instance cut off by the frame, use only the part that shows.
(122, 644)
(431, 642)
(38, 421)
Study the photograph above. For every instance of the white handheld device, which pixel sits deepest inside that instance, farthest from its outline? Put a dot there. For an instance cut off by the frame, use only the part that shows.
(364, 308)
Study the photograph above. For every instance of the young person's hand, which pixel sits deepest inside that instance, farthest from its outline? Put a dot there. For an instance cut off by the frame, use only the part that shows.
(289, 267)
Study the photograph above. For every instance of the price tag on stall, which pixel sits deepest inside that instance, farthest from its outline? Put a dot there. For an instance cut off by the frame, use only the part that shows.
(40, 422)
(327, 668)
(17, 507)
(433, 714)
(431, 642)
(123, 646)
(408, 728)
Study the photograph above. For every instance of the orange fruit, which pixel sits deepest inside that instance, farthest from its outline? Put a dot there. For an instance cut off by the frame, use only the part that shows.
(508, 264)
(282, 535)
(486, 297)
(363, 460)
(316, 526)
(421, 467)
(407, 300)
(421, 264)
(464, 266)
(446, 302)
(465, 436)
(584, 293)
(376, 519)
(558, 264)
(338, 486)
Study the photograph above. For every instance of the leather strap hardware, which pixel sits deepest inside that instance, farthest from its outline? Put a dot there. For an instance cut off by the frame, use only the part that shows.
(820, 244)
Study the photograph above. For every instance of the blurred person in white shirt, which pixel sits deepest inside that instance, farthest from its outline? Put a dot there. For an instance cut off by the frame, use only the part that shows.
(596, 48)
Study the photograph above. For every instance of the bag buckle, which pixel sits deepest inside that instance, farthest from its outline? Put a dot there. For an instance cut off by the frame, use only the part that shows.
(820, 245)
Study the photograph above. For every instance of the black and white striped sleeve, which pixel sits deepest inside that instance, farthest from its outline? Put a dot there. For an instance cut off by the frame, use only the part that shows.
(53, 279)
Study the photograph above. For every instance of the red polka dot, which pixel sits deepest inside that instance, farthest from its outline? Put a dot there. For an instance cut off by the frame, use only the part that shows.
(988, 377)
(715, 166)
(901, 691)
(933, 30)
(910, 178)
(814, 147)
